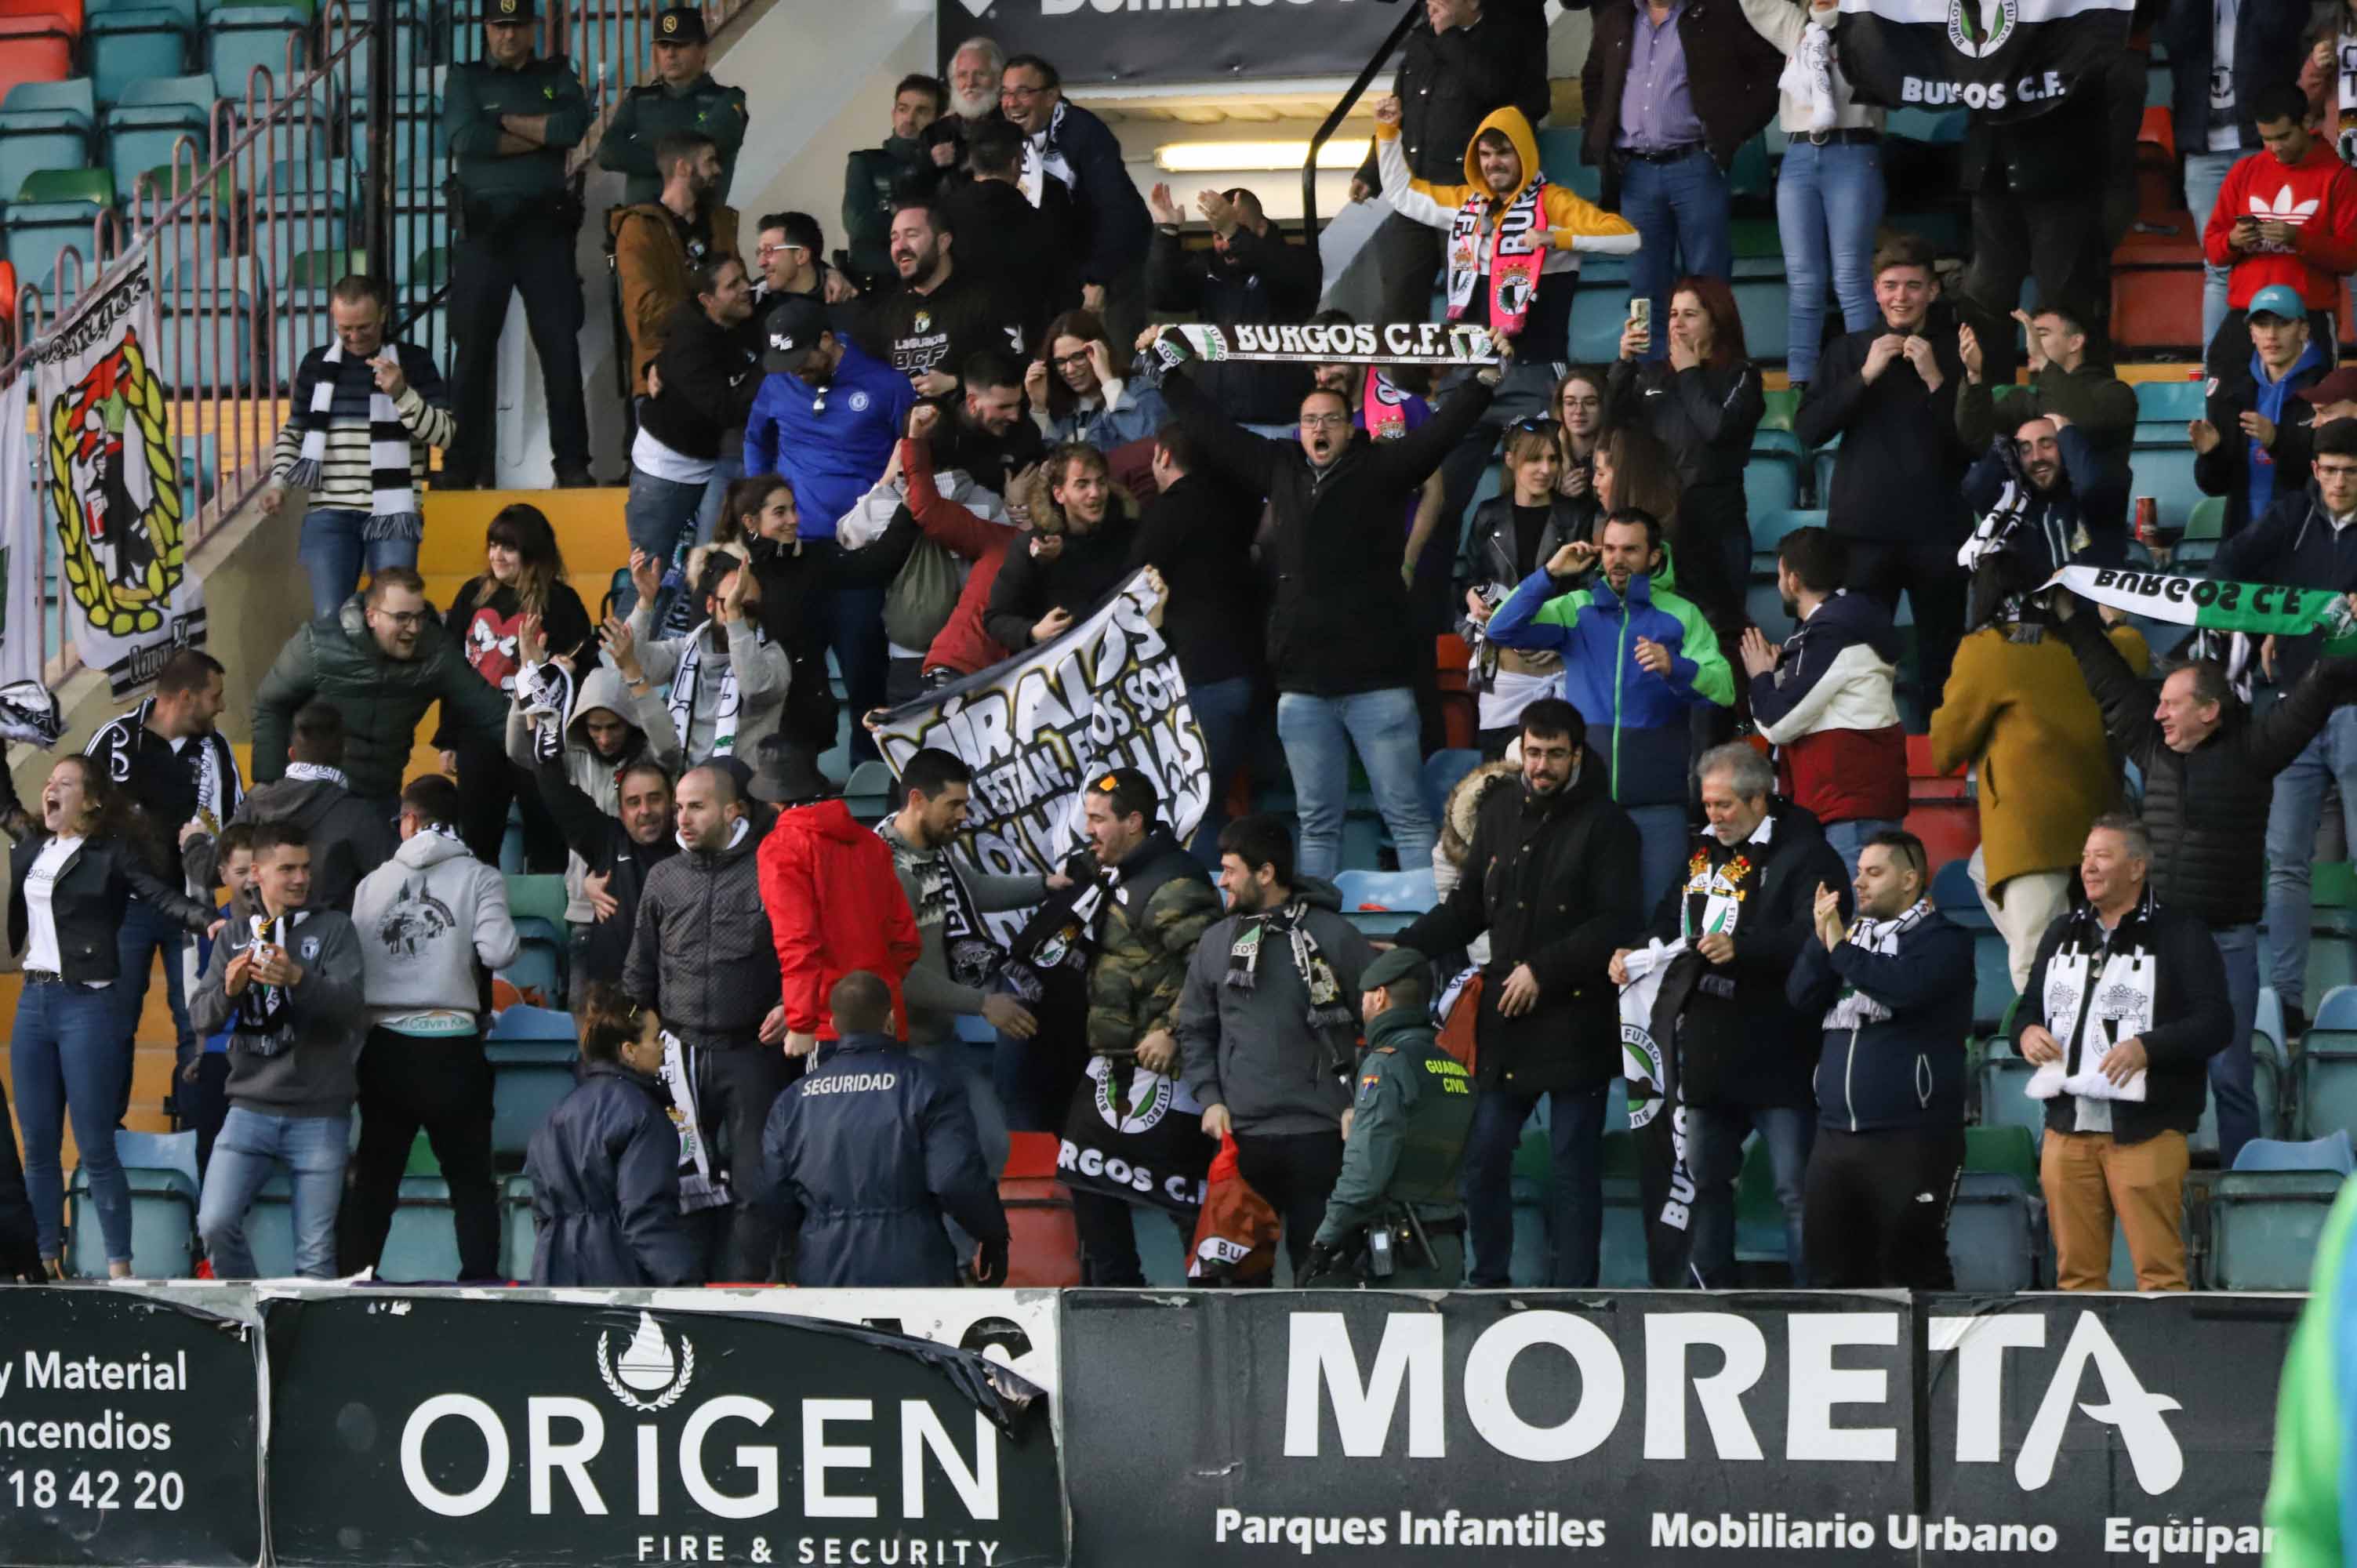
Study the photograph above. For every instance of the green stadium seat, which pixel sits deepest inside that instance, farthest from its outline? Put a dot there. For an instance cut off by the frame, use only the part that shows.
(1782, 403)
(2003, 1151)
(91, 186)
(2265, 1225)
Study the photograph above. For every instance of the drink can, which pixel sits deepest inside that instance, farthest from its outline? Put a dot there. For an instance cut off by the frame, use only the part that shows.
(2148, 520)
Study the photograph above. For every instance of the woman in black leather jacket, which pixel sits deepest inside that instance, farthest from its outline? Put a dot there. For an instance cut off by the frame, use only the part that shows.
(1705, 401)
(72, 1047)
(1512, 534)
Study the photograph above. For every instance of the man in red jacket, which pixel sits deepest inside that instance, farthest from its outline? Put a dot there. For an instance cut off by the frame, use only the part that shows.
(834, 901)
(2287, 214)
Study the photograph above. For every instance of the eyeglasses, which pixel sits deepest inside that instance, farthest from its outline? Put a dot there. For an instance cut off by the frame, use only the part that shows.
(759, 251)
(405, 620)
(2337, 471)
(1022, 94)
(1073, 361)
(1323, 421)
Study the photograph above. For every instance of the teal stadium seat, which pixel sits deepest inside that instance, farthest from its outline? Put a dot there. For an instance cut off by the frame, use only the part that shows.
(1772, 482)
(136, 43)
(2265, 1225)
(529, 1077)
(45, 126)
(422, 1245)
(241, 38)
(1991, 1234)
(2165, 474)
(518, 1234)
(150, 116)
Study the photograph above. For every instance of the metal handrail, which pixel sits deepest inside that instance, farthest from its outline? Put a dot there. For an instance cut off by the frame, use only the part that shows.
(1341, 111)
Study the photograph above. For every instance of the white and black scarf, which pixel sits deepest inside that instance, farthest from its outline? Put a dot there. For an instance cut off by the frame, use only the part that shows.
(393, 510)
(686, 683)
(1043, 160)
(1854, 1009)
(700, 1186)
(1521, 232)
(262, 1010)
(318, 773)
(546, 692)
(1328, 1008)
(2090, 1010)
(974, 959)
(1809, 75)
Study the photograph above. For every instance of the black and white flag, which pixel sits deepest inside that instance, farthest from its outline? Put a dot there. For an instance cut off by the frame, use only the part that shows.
(2006, 59)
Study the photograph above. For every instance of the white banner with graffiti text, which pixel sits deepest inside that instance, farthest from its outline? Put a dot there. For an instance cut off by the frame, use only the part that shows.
(1037, 729)
(114, 477)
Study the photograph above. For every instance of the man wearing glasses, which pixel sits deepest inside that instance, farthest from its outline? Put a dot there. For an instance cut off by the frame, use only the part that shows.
(1066, 143)
(382, 660)
(786, 260)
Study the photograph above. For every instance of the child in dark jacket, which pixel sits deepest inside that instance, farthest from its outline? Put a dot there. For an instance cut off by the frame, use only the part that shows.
(605, 1165)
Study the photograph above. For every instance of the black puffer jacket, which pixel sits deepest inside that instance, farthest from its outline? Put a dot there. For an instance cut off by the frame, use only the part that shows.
(1740, 1041)
(2207, 809)
(702, 954)
(1448, 83)
(1706, 417)
(605, 1187)
(1338, 621)
(1554, 881)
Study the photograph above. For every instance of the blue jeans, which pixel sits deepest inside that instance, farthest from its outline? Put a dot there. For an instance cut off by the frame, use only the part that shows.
(1222, 710)
(2292, 819)
(1828, 203)
(2232, 1074)
(2204, 173)
(1575, 1207)
(715, 489)
(70, 1054)
(145, 932)
(657, 512)
(1714, 1135)
(1848, 838)
(1318, 734)
(332, 553)
(1680, 211)
(313, 1148)
(1662, 840)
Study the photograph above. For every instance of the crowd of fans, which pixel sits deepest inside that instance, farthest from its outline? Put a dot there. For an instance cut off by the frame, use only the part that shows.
(948, 445)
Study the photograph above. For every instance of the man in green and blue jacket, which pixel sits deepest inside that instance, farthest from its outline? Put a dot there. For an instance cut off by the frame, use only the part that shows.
(1637, 657)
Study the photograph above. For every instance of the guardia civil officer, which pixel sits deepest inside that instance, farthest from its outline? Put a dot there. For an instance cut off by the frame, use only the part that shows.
(1395, 1220)
(683, 97)
(870, 1153)
(510, 117)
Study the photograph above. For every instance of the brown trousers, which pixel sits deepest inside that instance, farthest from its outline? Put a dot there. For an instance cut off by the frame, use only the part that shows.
(2088, 1180)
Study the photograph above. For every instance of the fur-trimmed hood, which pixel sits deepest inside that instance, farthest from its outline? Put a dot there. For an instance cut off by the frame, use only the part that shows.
(1464, 805)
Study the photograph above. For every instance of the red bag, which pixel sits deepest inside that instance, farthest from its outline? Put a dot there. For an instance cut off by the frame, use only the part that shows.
(1456, 1029)
(1235, 1240)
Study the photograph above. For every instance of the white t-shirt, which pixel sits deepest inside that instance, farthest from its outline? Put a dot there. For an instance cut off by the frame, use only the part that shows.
(41, 950)
(2225, 134)
(1510, 692)
(649, 456)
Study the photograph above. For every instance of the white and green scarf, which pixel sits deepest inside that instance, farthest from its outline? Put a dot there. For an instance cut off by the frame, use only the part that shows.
(686, 685)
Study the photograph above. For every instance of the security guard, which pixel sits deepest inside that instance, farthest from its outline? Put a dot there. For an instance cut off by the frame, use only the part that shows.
(683, 97)
(866, 1156)
(1394, 1221)
(510, 118)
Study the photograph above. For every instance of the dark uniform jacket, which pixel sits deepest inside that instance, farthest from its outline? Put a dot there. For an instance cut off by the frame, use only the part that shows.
(604, 1187)
(1413, 1106)
(1553, 879)
(653, 110)
(864, 1158)
(496, 189)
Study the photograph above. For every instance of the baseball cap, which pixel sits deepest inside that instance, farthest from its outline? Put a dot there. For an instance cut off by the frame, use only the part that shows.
(792, 330)
(2279, 299)
(507, 11)
(2341, 386)
(680, 25)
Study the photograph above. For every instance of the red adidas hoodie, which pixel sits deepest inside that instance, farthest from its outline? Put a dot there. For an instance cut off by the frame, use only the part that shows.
(2318, 197)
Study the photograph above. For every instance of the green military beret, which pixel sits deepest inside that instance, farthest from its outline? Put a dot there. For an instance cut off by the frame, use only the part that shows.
(1400, 963)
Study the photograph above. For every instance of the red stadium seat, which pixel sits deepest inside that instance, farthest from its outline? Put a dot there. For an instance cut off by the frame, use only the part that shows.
(2160, 129)
(1044, 1247)
(1925, 782)
(1950, 829)
(1450, 656)
(2157, 308)
(35, 48)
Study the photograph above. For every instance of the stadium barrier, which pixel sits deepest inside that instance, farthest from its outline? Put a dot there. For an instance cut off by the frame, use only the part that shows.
(322, 1425)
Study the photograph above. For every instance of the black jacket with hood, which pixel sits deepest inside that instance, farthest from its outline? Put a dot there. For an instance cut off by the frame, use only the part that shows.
(1338, 619)
(604, 1187)
(1448, 83)
(607, 848)
(348, 839)
(1739, 1040)
(708, 374)
(1090, 566)
(1553, 879)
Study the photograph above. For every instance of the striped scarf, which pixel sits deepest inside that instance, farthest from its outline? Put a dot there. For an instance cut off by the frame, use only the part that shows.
(1854, 1009)
(688, 687)
(394, 512)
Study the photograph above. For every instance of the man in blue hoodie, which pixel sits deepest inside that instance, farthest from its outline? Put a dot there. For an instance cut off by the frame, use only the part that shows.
(825, 421)
(1637, 656)
(2253, 429)
(1895, 988)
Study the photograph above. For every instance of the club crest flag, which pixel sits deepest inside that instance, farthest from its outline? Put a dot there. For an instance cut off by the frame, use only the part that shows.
(21, 543)
(1037, 728)
(2007, 59)
(104, 434)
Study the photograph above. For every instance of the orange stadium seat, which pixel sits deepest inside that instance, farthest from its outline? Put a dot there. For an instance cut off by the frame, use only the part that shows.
(34, 49)
(2157, 308)
(1043, 1248)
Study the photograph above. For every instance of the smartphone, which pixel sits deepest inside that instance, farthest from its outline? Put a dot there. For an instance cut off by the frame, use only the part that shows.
(1641, 313)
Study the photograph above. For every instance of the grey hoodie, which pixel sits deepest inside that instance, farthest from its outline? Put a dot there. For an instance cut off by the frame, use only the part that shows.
(593, 775)
(933, 998)
(348, 839)
(308, 1068)
(426, 917)
(1252, 1052)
